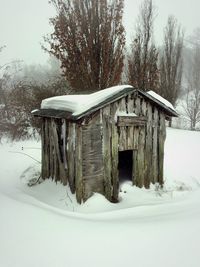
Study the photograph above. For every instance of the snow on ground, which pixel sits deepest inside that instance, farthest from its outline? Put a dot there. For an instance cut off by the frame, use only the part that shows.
(43, 226)
(183, 121)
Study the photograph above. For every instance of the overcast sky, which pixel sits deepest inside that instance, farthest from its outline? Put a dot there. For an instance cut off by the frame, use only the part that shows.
(24, 22)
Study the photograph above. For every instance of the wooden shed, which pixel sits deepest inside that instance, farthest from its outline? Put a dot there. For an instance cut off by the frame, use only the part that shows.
(93, 142)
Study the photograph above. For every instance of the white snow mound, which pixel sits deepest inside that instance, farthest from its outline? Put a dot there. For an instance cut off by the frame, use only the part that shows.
(77, 104)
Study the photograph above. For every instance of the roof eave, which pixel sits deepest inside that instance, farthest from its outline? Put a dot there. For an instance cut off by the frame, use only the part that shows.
(54, 113)
(109, 100)
(170, 112)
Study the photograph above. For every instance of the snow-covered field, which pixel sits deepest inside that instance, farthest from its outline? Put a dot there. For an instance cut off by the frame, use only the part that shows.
(43, 226)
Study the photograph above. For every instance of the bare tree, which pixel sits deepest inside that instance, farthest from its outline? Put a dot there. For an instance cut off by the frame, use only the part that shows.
(171, 63)
(193, 39)
(192, 103)
(142, 60)
(88, 40)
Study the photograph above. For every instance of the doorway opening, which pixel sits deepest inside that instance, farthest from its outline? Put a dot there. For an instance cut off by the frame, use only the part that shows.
(125, 165)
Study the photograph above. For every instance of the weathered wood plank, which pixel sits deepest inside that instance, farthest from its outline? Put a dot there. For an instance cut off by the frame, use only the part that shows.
(92, 158)
(131, 121)
(51, 152)
(155, 131)
(148, 147)
(43, 145)
(107, 151)
(78, 167)
(135, 172)
(140, 158)
(130, 129)
(146, 178)
(47, 148)
(140, 140)
(60, 172)
(136, 137)
(71, 155)
(114, 154)
(141, 155)
(122, 130)
(161, 141)
(64, 137)
(137, 106)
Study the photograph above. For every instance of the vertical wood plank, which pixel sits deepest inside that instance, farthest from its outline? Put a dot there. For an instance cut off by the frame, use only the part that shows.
(144, 174)
(71, 155)
(135, 172)
(78, 168)
(161, 141)
(148, 147)
(107, 151)
(155, 130)
(43, 144)
(51, 153)
(139, 142)
(130, 130)
(140, 157)
(122, 130)
(60, 172)
(47, 148)
(114, 154)
(92, 160)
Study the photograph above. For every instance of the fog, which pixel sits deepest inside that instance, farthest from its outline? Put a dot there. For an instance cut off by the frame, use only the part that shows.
(23, 23)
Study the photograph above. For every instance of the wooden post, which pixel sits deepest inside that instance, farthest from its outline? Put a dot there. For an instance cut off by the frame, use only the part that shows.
(71, 156)
(60, 172)
(43, 152)
(130, 130)
(155, 158)
(140, 155)
(161, 141)
(46, 148)
(78, 168)
(52, 159)
(107, 151)
(122, 130)
(114, 154)
(148, 147)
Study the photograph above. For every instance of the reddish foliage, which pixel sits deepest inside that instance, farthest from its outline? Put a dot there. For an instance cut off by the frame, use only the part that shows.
(89, 40)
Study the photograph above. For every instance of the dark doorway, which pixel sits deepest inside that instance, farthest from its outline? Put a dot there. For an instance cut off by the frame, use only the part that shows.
(125, 165)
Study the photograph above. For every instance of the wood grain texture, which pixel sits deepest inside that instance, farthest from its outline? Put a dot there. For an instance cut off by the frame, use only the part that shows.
(161, 141)
(71, 155)
(107, 158)
(92, 159)
(78, 166)
(114, 154)
(126, 121)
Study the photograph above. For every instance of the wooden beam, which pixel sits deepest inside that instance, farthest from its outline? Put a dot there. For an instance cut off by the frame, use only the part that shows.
(124, 121)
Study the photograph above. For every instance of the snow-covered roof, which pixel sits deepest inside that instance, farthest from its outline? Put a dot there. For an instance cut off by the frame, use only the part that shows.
(76, 106)
(161, 99)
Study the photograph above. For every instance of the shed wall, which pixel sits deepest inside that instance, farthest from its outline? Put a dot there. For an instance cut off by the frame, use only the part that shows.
(85, 154)
(146, 140)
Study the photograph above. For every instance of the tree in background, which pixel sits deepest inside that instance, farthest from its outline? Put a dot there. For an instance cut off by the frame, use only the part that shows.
(192, 75)
(171, 63)
(24, 91)
(142, 60)
(89, 41)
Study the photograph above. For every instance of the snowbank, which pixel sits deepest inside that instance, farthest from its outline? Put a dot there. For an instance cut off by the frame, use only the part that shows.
(43, 226)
